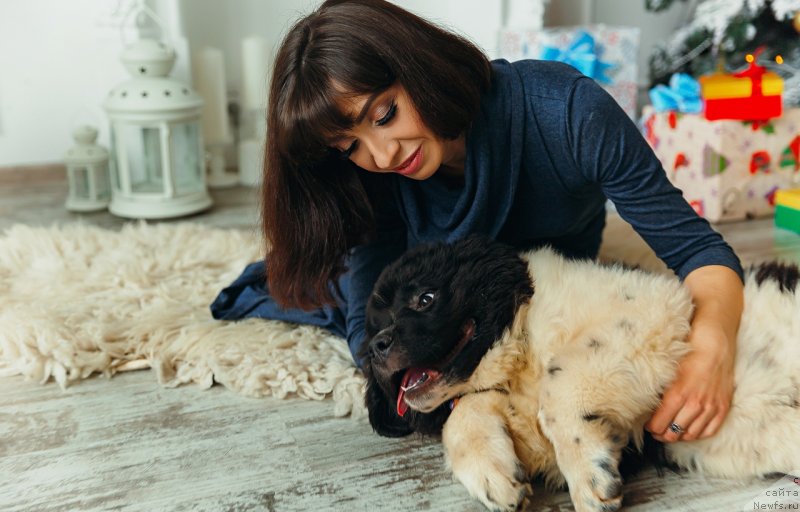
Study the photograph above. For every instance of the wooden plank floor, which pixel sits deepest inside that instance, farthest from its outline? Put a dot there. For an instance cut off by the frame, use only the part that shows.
(129, 444)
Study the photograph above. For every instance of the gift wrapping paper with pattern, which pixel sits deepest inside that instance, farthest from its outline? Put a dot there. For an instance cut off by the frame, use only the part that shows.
(727, 170)
(615, 45)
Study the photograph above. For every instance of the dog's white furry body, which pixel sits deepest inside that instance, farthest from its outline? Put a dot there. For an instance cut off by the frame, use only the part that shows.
(582, 368)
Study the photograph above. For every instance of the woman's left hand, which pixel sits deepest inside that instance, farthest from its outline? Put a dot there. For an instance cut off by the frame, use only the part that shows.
(699, 399)
(697, 402)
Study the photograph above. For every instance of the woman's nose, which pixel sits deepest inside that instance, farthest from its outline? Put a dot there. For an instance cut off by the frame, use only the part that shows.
(384, 153)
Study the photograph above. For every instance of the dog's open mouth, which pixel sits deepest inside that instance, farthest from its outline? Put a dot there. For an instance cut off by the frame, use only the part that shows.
(417, 381)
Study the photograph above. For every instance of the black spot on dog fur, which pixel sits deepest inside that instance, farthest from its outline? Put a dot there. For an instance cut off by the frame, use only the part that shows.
(520, 474)
(785, 275)
(593, 343)
(625, 325)
(486, 486)
(763, 357)
(607, 466)
(652, 454)
(614, 489)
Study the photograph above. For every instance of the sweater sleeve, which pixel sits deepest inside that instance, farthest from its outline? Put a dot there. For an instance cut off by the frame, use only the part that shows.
(366, 262)
(608, 149)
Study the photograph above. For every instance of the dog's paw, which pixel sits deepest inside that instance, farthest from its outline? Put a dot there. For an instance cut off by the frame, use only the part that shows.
(499, 486)
(599, 488)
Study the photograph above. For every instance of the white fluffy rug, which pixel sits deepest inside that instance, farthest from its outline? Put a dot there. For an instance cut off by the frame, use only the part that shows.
(79, 300)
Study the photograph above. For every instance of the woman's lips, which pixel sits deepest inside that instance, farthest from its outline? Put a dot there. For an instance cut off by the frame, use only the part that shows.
(412, 163)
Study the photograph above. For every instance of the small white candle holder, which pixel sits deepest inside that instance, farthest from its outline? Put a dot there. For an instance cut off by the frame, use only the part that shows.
(87, 173)
(217, 176)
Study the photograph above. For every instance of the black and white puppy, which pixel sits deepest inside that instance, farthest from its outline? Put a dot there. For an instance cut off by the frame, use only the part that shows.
(557, 382)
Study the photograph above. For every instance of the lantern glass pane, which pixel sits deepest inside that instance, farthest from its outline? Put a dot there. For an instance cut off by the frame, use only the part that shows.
(113, 171)
(143, 149)
(80, 182)
(187, 166)
(102, 182)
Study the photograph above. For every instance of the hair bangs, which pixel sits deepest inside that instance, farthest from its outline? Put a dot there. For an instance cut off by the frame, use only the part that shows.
(331, 68)
(308, 119)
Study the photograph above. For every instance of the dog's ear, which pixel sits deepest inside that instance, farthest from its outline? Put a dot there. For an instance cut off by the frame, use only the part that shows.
(382, 415)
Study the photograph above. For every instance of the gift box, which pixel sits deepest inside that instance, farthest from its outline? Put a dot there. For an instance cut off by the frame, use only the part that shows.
(609, 57)
(787, 209)
(754, 93)
(727, 170)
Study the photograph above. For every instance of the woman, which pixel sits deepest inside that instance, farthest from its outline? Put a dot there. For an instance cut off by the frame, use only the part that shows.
(386, 131)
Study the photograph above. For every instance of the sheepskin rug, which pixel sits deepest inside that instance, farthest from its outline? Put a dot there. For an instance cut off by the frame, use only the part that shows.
(80, 300)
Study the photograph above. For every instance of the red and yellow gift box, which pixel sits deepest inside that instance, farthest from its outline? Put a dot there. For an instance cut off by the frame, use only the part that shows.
(752, 94)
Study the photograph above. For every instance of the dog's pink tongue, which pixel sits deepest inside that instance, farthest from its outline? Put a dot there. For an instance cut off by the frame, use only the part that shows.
(411, 379)
(402, 406)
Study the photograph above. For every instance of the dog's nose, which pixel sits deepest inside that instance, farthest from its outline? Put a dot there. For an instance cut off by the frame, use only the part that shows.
(380, 346)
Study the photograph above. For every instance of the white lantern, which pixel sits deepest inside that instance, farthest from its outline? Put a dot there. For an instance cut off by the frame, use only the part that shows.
(87, 172)
(157, 164)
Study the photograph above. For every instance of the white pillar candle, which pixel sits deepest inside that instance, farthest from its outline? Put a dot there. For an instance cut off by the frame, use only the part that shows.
(251, 162)
(209, 80)
(256, 57)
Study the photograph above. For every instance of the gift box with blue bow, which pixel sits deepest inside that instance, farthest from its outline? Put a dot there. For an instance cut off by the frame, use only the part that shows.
(604, 53)
(682, 95)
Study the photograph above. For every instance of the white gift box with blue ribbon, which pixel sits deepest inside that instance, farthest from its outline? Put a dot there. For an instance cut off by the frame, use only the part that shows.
(603, 52)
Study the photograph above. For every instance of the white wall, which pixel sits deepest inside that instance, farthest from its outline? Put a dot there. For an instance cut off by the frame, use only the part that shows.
(59, 58)
(224, 24)
(655, 26)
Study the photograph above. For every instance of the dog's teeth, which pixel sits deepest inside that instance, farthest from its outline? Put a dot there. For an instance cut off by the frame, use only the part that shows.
(422, 378)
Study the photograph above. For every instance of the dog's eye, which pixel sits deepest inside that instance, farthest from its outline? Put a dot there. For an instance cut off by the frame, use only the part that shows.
(424, 300)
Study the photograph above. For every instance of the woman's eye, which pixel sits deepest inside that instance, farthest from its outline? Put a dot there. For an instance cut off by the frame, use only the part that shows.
(388, 116)
(425, 300)
(349, 151)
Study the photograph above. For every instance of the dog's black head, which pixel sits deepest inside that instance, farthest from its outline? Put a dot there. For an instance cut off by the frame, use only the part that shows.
(432, 316)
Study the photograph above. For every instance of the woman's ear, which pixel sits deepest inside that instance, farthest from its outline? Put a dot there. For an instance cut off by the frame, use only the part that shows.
(382, 414)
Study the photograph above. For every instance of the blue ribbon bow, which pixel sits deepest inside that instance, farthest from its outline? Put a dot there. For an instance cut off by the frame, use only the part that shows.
(583, 54)
(683, 95)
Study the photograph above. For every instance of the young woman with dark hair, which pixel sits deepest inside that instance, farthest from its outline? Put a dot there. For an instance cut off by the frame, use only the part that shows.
(386, 131)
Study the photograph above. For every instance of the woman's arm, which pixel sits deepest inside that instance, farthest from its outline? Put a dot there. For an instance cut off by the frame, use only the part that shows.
(699, 399)
(610, 151)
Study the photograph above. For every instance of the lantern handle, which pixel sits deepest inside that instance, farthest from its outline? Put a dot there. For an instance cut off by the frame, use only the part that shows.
(85, 116)
(138, 8)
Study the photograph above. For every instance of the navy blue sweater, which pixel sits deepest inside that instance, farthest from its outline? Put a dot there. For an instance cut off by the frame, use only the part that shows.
(547, 149)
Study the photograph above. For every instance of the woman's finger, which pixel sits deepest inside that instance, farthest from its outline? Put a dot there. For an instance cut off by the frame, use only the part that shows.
(681, 422)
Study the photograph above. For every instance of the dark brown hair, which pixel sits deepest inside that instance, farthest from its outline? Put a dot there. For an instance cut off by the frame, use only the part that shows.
(314, 204)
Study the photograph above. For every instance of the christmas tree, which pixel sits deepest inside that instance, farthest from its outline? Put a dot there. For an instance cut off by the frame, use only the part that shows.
(723, 32)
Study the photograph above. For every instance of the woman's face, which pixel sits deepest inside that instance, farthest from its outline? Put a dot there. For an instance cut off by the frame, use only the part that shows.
(389, 136)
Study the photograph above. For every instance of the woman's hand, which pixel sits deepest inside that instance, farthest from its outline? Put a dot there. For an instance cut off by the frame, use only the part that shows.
(697, 402)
